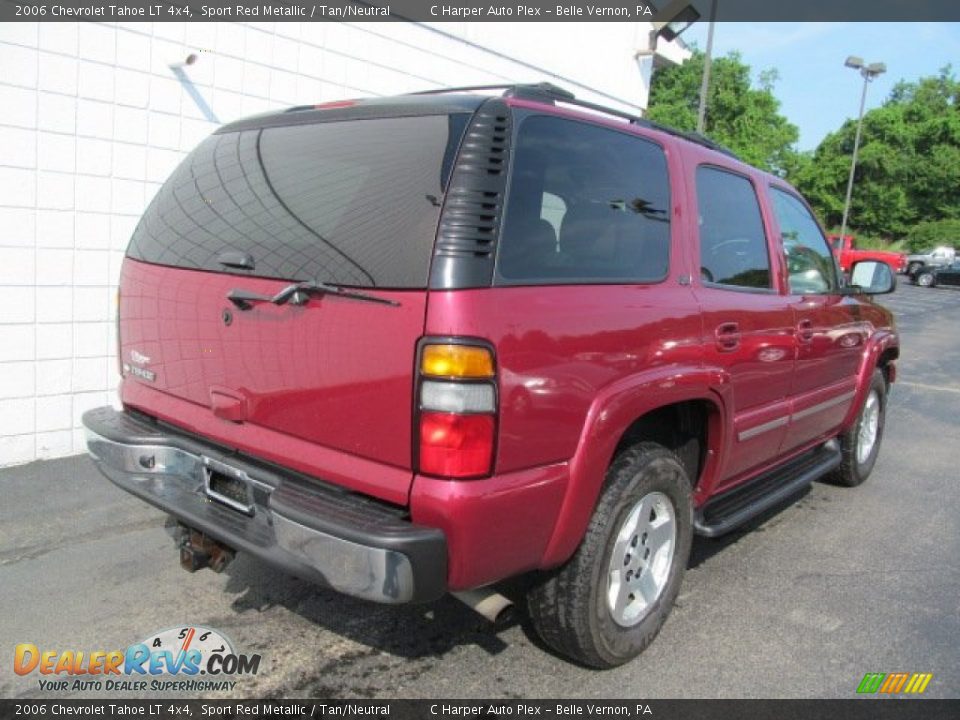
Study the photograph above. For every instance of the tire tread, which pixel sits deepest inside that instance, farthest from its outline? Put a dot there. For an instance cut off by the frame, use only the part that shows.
(561, 605)
(849, 473)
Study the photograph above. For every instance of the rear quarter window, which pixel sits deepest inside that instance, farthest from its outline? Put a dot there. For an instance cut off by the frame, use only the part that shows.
(586, 204)
(351, 202)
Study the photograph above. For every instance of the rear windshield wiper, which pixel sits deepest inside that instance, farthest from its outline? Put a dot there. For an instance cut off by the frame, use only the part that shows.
(299, 294)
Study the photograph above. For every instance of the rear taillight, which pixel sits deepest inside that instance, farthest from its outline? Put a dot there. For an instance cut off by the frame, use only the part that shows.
(335, 104)
(457, 404)
(456, 446)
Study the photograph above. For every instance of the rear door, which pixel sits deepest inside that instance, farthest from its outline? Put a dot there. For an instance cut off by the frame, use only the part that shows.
(351, 202)
(748, 324)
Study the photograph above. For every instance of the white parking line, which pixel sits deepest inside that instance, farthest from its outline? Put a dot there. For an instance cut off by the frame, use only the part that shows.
(925, 386)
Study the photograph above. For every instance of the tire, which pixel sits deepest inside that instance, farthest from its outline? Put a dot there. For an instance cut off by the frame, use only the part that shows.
(925, 279)
(577, 610)
(857, 461)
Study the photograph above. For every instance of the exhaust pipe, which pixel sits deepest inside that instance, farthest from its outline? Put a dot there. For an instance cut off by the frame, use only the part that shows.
(492, 605)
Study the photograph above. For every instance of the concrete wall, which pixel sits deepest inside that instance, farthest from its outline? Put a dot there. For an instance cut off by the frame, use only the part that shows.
(94, 119)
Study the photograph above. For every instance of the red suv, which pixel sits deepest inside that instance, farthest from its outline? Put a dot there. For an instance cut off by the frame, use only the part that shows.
(415, 345)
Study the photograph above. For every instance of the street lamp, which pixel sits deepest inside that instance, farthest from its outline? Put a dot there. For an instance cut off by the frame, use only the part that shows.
(869, 72)
(674, 18)
(669, 22)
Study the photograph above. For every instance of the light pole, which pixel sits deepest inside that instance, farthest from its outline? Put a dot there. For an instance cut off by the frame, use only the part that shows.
(675, 17)
(869, 72)
(705, 81)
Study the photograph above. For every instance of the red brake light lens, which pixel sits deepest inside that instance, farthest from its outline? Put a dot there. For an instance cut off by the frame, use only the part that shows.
(456, 446)
(335, 104)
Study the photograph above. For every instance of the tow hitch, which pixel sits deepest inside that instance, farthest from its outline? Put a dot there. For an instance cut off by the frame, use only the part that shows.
(198, 551)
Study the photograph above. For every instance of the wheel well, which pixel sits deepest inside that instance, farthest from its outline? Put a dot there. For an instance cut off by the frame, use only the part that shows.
(887, 357)
(681, 427)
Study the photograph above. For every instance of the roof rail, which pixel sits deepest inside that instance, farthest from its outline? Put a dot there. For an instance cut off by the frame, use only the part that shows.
(693, 137)
(544, 89)
(547, 92)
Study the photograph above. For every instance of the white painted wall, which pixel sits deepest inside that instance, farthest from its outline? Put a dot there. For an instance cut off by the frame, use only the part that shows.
(93, 119)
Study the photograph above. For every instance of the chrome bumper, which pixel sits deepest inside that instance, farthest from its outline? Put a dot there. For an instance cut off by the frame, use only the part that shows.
(334, 538)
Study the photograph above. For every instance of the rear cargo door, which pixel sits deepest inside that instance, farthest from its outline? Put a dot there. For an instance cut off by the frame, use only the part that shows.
(352, 203)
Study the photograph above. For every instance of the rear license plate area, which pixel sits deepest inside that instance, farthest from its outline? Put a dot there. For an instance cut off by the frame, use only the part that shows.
(228, 485)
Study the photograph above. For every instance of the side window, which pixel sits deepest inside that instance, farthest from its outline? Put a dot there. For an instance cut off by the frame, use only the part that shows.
(810, 264)
(586, 205)
(733, 245)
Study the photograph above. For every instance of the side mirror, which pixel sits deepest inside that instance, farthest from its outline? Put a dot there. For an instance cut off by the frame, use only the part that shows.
(872, 277)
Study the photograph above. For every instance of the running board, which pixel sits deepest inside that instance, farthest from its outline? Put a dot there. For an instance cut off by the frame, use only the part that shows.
(726, 512)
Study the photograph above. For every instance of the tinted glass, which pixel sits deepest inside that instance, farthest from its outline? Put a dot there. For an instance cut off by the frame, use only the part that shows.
(586, 204)
(810, 263)
(733, 245)
(351, 202)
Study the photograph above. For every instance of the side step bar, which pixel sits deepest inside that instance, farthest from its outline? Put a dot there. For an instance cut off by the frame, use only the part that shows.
(726, 512)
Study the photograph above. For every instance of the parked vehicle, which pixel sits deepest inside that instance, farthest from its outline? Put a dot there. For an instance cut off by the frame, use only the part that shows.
(932, 277)
(932, 258)
(415, 345)
(846, 252)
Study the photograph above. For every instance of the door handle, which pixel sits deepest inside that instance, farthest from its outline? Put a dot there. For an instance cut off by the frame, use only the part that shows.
(805, 331)
(727, 336)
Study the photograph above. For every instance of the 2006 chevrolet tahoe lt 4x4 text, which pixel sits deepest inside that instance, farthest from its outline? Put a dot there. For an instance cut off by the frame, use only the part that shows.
(415, 345)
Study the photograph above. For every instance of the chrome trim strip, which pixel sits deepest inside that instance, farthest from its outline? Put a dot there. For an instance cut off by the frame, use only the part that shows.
(781, 421)
(367, 572)
(762, 428)
(825, 405)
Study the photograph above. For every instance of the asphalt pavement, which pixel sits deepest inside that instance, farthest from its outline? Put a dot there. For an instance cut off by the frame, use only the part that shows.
(835, 584)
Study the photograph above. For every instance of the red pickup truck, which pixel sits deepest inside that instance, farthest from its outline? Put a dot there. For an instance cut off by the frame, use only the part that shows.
(847, 254)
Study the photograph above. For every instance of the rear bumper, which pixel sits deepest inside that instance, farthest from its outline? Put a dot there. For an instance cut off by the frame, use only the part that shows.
(322, 533)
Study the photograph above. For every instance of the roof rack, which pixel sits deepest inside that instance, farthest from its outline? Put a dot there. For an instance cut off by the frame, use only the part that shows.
(543, 90)
(547, 92)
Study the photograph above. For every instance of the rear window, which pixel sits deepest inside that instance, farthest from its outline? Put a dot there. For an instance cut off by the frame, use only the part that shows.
(349, 202)
(587, 205)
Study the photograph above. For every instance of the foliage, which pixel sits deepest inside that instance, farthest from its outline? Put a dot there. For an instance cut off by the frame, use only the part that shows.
(933, 234)
(744, 118)
(908, 169)
(907, 184)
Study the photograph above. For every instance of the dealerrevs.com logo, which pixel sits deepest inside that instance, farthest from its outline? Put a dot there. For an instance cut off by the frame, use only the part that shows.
(169, 661)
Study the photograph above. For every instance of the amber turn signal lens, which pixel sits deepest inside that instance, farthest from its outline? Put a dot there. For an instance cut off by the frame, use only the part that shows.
(458, 361)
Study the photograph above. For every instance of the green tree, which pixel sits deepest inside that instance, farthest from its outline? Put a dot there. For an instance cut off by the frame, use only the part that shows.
(931, 234)
(742, 117)
(908, 169)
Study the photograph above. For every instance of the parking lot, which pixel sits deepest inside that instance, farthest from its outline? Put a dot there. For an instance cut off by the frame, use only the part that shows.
(838, 583)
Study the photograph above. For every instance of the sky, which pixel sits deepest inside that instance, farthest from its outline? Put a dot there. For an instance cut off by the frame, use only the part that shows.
(817, 93)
